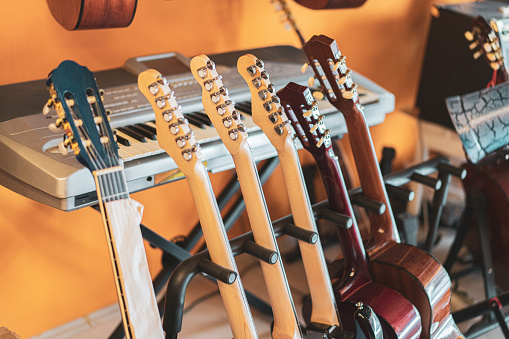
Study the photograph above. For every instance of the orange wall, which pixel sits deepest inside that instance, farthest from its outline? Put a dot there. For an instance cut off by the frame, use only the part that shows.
(54, 265)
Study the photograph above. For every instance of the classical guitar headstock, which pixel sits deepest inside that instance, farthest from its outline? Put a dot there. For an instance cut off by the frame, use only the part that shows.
(218, 105)
(81, 115)
(173, 132)
(330, 69)
(484, 41)
(266, 109)
(302, 109)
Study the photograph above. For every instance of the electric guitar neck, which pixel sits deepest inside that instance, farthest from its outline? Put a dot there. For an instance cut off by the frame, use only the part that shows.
(226, 120)
(177, 139)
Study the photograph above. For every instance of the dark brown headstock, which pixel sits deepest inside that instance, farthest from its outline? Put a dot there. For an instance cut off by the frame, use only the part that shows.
(484, 42)
(302, 111)
(330, 69)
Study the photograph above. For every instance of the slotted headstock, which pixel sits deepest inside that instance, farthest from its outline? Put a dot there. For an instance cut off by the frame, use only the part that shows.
(218, 105)
(173, 132)
(484, 41)
(330, 69)
(81, 115)
(302, 109)
(266, 108)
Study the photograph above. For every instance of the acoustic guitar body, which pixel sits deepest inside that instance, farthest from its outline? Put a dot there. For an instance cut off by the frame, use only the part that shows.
(93, 14)
(490, 177)
(330, 4)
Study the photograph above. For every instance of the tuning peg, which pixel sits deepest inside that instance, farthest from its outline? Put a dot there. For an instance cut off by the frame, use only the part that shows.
(477, 55)
(304, 67)
(236, 115)
(227, 122)
(98, 120)
(495, 66)
(78, 122)
(233, 134)
(270, 88)
(259, 63)
(336, 66)
(307, 113)
(91, 100)
(216, 96)
(324, 138)
(69, 102)
(263, 94)
(47, 107)
(487, 47)
(62, 148)
(174, 128)
(153, 88)
(202, 72)
(351, 93)
(273, 117)
(311, 81)
(187, 154)
(469, 36)
(53, 128)
(104, 140)
(251, 70)
(318, 95)
(473, 45)
(102, 93)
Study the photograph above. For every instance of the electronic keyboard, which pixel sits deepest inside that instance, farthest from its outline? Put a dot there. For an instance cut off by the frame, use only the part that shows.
(32, 165)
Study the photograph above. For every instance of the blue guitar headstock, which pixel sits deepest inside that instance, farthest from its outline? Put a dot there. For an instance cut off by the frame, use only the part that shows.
(81, 114)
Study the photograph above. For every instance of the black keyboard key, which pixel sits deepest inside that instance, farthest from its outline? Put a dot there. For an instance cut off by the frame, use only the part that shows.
(200, 117)
(147, 128)
(132, 134)
(196, 122)
(244, 107)
(122, 141)
(143, 131)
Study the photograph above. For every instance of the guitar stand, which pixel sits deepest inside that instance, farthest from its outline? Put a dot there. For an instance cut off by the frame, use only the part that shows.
(491, 307)
(364, 317)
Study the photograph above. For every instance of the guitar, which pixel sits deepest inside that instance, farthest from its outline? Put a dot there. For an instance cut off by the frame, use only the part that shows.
(330, 4)
(226, 120)
(269, 116)
(354, 284)
(287, 18)
(412, 272)
(77, 101)
(93, 14)
(484, 41)
(177, 139)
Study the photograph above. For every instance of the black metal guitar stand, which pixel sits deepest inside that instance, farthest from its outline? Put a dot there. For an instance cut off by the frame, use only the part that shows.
(366, 322)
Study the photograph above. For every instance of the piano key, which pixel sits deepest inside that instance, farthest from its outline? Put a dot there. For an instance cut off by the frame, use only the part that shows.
(204, 120)
(132, 134)
(148, 128)
(194, 121)
(122, 141)
(142, 131)
(139, 149)
(204, 116)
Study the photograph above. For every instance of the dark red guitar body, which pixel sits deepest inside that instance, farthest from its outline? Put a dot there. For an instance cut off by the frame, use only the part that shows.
(353, 284)
(406, 269)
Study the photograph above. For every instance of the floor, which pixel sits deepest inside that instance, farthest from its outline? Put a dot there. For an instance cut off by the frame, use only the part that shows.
(205, 316)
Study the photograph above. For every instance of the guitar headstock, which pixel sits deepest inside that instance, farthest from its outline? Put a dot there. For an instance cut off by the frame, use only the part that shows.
(173, 132)
(81, 115)
(484, 41)
(302, 109)
(330, 69)
(266, 109)
(218, 105)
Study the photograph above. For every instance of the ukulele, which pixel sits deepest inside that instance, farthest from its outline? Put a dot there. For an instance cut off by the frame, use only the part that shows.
(354, 284)
(177, 139)
(92, 14)
(269, 116)
(78, 103)
(412, 272)
(484, 41)
(330, 4)
(226, 120)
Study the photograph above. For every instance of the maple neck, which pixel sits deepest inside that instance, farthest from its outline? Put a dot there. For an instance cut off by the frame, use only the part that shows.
(383, 227)
(234, 299)
(285, 317)
(350, 238)
(324, 308)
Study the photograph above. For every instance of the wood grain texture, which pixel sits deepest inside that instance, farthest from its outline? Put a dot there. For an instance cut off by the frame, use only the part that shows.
(136, 296)
(93, 14)
(401, 266)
